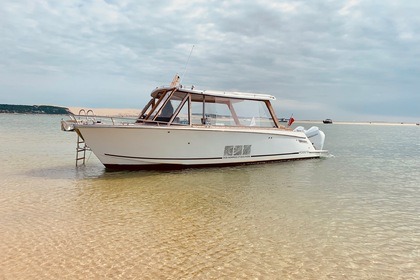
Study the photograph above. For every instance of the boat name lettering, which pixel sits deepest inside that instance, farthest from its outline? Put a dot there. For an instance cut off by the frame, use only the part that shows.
(237, 151)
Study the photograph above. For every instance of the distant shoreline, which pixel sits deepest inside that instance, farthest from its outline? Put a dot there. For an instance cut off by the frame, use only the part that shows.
(61, 110)
(33, 109)
(127, 112)
(360, 123)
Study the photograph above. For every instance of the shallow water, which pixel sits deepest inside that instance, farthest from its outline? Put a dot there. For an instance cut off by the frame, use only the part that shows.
(353, 215)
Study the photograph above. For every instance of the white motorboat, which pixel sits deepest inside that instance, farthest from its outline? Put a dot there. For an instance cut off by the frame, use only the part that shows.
(182, 127)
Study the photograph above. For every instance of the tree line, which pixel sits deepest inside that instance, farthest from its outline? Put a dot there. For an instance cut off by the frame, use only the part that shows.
(33, 109)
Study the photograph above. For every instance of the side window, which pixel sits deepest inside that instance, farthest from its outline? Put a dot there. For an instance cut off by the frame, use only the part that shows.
(171, 106)
(183, 116)
(196, 113)
(254, 113)
(159, 106)
(218, 113)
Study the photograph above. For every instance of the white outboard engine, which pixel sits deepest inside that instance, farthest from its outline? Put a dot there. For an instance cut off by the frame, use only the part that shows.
(316, 136)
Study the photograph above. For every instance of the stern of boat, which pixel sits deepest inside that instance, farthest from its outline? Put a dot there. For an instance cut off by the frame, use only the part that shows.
(315, 135)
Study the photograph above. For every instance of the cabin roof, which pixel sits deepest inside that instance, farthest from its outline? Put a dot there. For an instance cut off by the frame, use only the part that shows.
(228, 94)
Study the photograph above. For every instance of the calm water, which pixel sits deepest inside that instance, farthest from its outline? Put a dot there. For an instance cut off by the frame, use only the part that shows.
(354, 215)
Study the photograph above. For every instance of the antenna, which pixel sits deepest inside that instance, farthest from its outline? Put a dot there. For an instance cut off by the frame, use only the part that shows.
(188, 60)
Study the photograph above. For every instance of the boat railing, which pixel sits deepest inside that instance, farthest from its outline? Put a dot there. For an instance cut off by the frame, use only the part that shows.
(88, 117)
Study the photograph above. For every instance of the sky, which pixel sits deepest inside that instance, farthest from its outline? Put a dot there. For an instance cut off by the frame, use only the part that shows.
(349, 60)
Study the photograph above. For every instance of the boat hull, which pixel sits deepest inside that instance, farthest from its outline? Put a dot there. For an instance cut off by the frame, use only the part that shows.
(143, 147)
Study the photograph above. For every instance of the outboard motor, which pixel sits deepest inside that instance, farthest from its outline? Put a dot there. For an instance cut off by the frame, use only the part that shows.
(316, 136)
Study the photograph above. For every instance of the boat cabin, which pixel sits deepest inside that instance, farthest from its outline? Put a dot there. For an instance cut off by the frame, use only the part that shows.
(189, 107)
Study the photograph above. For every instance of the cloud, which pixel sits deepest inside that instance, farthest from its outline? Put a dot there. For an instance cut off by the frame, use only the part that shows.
(338, 54)
(347, 8)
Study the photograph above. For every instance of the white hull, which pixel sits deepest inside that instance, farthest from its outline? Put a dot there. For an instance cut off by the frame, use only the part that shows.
(142, 146)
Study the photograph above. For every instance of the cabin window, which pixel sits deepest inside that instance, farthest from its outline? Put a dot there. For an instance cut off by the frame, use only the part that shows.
(182, 114)
(223, 111)
(253, 113)
(185, 108)
(197, 111)
(166, 112)
(218, 112)
(183, 117)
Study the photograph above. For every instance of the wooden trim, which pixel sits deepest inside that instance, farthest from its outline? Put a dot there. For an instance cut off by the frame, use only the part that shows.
(163, 105)
(203, 116)
(155, 106)
(189, 110)
(273, 114)
(233, 112)
(150, 103)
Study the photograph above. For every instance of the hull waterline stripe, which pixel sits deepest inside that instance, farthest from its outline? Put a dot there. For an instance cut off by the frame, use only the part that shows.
(150, 158)
(209, 158)
(275, 155)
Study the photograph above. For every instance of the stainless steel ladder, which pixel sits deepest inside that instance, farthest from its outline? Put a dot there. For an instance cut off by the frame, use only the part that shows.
(81, 145)
(81, 150)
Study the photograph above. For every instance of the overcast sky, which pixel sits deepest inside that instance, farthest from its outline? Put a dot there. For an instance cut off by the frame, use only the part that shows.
(345, 60)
